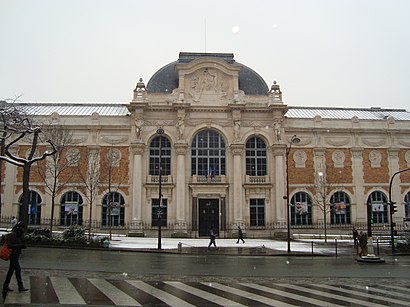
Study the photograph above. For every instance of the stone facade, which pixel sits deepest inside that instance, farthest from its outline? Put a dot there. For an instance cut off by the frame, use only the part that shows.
(223, 158)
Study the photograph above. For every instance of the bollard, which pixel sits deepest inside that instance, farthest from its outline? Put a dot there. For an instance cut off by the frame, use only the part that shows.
(263, 249)
(179, 247)
(377, 244)
(336, 247)
(312, 247)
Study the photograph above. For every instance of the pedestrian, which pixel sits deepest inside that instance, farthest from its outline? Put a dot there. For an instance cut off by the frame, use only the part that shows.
(362, 244)
(240, 235)
(13, 222)
(14, 240)
(212, 237)
(355, 237)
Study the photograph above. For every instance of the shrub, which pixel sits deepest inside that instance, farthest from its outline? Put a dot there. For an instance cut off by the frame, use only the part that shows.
(38, 235)
(74, 234)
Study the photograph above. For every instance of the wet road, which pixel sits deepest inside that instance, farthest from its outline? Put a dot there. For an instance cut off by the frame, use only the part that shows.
(146, 263)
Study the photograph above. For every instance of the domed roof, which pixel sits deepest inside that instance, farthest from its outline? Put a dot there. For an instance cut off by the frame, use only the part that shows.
(166, 80)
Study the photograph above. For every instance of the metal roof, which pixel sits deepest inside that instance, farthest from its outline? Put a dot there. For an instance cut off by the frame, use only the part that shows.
(347, 113)
(120, 109)
(75, 109)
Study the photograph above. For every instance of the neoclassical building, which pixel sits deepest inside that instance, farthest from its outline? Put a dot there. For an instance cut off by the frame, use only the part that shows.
(221, 143)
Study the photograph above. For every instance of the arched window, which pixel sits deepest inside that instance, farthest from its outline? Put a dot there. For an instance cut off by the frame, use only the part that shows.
(71, 209)
(116, 204)
(407, 205)
(340, 208)
(378, 206)
(301, 209)
(165, 156)
(255, 157)
(34, 208)
(208, 154)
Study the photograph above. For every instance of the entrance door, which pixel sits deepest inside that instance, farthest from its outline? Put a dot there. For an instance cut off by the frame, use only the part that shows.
(208, 216)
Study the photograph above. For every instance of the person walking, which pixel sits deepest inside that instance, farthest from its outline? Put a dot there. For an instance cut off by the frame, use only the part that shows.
(212, 237)
(240, 235)
(355, 237)
(13, 222)
(14, 240)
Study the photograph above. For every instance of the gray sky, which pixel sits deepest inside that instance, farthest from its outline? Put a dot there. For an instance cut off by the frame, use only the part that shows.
(347, 53)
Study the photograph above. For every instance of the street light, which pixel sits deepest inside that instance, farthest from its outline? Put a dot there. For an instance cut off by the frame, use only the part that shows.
(160, 132)
(392, 209)
(293, 140)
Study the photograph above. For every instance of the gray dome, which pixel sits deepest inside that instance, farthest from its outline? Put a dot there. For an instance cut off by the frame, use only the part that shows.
(166, 80)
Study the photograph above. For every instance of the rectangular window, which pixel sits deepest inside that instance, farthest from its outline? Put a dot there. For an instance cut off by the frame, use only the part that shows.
(257, 212)
(155, 212)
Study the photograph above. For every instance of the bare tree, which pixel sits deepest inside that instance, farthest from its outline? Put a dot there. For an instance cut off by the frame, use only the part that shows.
(321, 197)
(89, 173)
(18, 127)
(111, 171)
(55, 171)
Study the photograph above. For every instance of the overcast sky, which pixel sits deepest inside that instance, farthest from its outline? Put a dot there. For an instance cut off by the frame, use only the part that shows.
(347, 53)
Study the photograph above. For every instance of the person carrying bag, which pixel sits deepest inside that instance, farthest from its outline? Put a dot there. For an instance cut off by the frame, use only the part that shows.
(14, 241)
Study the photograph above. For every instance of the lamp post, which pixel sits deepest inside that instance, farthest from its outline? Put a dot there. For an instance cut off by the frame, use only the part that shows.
(293, 140)
(160, 132)
(393, 209)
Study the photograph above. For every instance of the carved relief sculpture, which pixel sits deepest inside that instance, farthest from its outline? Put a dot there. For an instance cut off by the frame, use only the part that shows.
(237, 128)
(180, 125)
(300, 158)
(208, 81)
(139, 122)
(277, 130)
(375, 158)
(338, 158)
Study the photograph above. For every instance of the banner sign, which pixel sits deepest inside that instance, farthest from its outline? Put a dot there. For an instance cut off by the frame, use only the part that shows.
(340, 208)
(301, 208)
(377, 207)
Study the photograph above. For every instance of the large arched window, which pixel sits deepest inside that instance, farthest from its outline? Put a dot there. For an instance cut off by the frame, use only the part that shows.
(165, 156)
(301, 209)
(255, 157)
(71, 209)
(34, 208)
(116, 204)
(340, 208)
(208, 154)
(378, 206)
(407, 205)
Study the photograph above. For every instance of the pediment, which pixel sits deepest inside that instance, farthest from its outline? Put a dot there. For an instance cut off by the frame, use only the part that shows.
(208, 81)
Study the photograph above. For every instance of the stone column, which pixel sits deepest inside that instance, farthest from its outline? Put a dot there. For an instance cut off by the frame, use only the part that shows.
(237, 151)
(8, 184)
(136, 207)
(358, 215)
(279, 155)
(180, 203)
(395, 190)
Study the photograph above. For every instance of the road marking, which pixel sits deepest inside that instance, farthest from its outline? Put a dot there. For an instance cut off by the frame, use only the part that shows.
(286, 294)
(162, 295)
(66, 292)
(118, 297)
(248, 295)
(348, 299)
(203, 294)
(364, 294)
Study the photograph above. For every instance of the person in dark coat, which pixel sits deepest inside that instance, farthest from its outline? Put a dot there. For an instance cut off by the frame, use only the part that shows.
(355, 237)
(14, 240)
(212, 237)
(240, 235)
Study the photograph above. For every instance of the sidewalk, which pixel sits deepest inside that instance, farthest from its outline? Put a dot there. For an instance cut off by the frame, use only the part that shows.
(229, 246)
(302, 246)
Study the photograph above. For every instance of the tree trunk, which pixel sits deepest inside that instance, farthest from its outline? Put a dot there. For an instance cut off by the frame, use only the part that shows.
(25, 199)
(52, 214)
